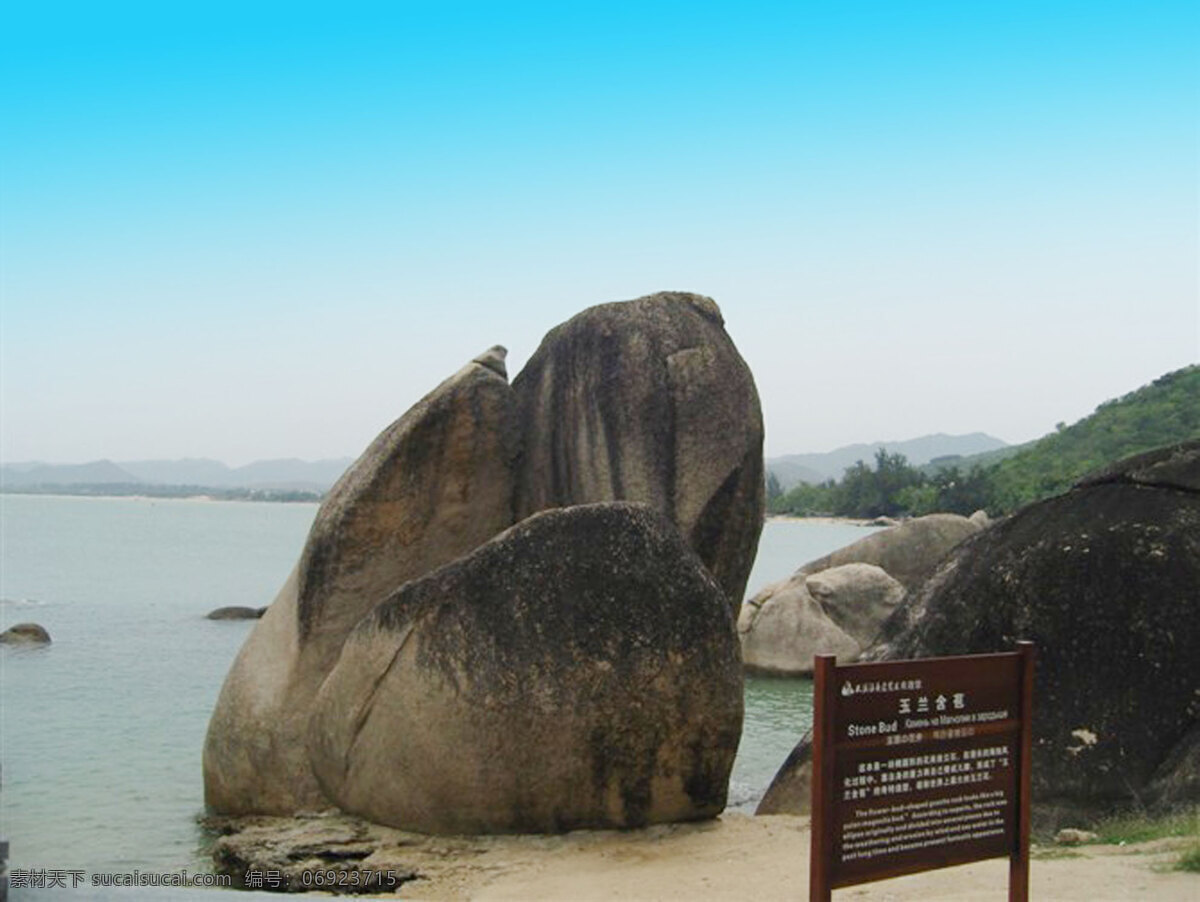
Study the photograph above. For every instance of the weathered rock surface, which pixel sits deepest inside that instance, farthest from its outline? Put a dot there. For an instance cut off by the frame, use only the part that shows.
(909, 552)
(25, 634)
(645, 401)
(783, 626)
(649, 401)
(433, 485)
(857, 597)
(790, 791)
(580, 670)
(235, 612)
(1104, 580)
(317, 852)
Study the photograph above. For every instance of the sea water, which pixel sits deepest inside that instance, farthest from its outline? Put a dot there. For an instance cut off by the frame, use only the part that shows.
(101, 731)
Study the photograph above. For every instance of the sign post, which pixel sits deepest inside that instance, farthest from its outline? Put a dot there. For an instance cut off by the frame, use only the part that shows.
(920, 765)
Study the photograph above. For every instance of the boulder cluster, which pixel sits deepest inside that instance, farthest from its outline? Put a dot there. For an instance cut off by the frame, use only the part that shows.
(515, 612)
(1105, 580)
(837, 604)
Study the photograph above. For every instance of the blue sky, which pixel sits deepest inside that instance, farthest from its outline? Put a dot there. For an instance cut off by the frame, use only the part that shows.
(264, 230)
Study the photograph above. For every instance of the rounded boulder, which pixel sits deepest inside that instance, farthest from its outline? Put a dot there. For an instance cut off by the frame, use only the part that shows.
(580, 670)
(25, 634)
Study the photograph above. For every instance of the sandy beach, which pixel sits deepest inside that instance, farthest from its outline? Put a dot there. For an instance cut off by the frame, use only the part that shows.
(823, 521)
(738, 857)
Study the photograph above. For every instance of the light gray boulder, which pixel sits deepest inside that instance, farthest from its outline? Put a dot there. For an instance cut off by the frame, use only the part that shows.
(857, 597)
(783, 626)
(909, 552)
(580, 670)
(434, 485)
(649, 401)
(836, 611)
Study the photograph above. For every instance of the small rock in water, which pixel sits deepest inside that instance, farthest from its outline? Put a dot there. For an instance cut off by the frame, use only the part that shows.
(1070, 836)
(25, 634)
(236, 612)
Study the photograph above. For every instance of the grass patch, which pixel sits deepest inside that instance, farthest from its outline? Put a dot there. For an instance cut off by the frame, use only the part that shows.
(1137, 828)
(1140, 828)
(1051, 854)
(1190, 859)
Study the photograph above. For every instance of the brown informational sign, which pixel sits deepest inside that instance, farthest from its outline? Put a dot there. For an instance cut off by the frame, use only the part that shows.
(920, 765)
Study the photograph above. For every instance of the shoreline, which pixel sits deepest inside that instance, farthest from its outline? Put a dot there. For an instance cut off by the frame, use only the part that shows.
(199, 497)
(731, 857)
(822, 521)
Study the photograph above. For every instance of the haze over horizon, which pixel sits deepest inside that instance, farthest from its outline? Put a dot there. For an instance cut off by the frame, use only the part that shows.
(247, 233)
(351, 457)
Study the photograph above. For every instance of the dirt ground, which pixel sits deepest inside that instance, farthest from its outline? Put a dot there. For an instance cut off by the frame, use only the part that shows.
(761, 859)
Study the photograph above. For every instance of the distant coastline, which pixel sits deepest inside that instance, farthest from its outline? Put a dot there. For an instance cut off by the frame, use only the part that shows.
(146, 491)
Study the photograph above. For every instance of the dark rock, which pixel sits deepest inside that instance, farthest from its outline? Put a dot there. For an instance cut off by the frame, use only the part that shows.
(1176, 782)
(649, 401)
(1104, 580)
(25, 634)
(1173, 467)
(235, 612)
(790, 791)
(580, 670)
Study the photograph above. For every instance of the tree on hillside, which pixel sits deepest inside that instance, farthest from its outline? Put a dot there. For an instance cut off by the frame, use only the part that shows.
(774, 489)
(805, 500)
(866, 492)
(1162, 413)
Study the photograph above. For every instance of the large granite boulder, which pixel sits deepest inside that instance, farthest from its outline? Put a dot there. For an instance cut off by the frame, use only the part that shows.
(645, 401)
(649, 401)
(434, 485)
(856, 590)
(1104, 579)
(579, 670)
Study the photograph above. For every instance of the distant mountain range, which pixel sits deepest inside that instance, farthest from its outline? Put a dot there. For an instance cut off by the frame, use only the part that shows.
(280, 475)
(318, 476)
(791, 469)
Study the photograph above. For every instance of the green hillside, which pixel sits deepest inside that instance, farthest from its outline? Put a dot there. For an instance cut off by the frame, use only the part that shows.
(1164, 412)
